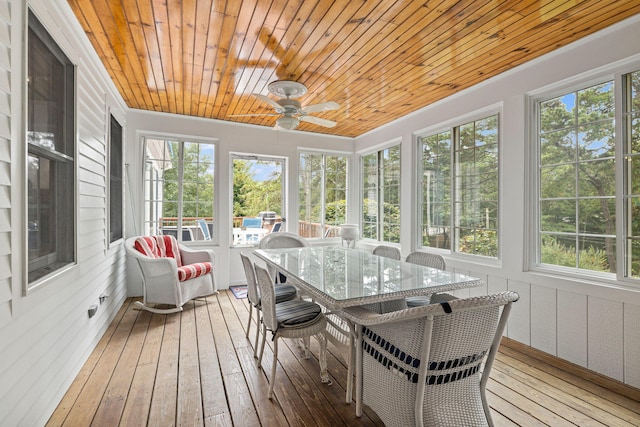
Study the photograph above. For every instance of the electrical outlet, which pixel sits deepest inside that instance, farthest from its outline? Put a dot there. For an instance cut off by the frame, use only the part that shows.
(92, 310)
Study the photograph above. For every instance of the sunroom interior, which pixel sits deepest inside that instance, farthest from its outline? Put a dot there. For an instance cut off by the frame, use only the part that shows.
(411, 79)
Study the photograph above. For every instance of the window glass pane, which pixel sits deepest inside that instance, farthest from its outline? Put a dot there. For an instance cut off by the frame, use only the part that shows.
(51, 149)
(558, 250)
(257, 198)
(631, 141)
(634, 136)
(596, 253)
(381, 195)
(558, 147)
(557, 113)
(595, 216)
(558, 215)
(370, 196)
(310, 186)
(179, 189)
(436, 190)
(577, 179)
(550, 176)
(476, 187)
(115, 181)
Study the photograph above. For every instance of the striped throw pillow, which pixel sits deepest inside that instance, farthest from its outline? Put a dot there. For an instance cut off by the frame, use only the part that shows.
(159, 247)
(192, 271)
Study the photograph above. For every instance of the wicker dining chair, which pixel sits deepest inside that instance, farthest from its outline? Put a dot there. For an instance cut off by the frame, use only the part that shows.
(282, 293)
(428, 260)
(282, 239)
(290, 319)
(390, 252)
(387, 252)
(424, 365)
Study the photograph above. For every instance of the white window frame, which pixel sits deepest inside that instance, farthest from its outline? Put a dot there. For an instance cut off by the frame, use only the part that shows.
(380, 218)
(324, 155)
(110, 116)
(449, 126)
(614, 73)
(29, 287)
(285, 203)
(181, 138)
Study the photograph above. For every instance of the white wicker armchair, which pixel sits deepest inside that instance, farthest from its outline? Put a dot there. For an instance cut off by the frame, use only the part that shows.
(171, 274)
(423, 365)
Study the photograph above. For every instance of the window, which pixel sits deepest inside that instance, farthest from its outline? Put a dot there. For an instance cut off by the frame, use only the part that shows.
(576, 179)
(258, 198)
(115, 181)
(436, 190)
(51, 146)
(381, 195)
(631, 141)
(459, 174)
(323, 194)
(179, 188)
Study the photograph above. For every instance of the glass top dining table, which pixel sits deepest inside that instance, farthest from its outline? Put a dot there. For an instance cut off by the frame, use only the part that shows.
(343, 277)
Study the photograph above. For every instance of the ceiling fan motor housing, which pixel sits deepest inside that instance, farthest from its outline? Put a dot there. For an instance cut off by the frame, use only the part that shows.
(289, 105)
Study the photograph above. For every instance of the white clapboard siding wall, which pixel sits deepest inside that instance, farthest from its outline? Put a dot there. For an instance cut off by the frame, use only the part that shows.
(6, 151)
(47, 335)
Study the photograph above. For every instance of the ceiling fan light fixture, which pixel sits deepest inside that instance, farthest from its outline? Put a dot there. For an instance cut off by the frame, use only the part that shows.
(287, 123)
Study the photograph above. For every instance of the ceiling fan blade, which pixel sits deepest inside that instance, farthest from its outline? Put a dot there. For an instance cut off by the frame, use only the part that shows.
(318, 121)
(253, 115)
(269, 101)
(323, 106)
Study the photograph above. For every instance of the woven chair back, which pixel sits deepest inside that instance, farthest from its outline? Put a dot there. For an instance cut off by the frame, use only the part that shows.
(427, 260)
(283, 239)
(387, 252)
(252, 286)
(267, 297)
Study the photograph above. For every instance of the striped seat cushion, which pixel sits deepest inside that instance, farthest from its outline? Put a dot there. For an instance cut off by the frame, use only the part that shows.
(159, 247)
(285, 293)
(192, 271)
(297, 312)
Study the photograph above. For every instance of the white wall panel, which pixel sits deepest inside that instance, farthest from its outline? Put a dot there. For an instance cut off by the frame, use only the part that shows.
(519, 319)
(572, 327)
(496, 284)
(7, 279)
(604, 335)
(632, 345)
(543, 318)
(479, 290)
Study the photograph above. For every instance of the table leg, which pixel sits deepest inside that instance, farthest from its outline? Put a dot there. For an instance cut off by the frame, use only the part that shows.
(358, 370)
(352, 337)
(322, 359)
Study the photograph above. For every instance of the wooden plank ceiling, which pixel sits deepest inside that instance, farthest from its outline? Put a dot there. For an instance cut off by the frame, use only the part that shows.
(379, 60)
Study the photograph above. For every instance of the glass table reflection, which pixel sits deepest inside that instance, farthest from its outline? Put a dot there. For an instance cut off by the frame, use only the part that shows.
(343, 277)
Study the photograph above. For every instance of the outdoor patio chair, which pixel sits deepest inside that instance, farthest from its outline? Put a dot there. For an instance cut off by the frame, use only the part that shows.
(282, 292)
(290, 319)
(171, 274)
(424, 365)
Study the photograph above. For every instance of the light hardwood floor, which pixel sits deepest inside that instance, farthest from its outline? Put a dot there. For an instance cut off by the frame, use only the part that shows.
(197, 368)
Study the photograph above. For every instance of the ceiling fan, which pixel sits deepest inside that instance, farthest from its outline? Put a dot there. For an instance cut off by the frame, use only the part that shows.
(290, 109)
